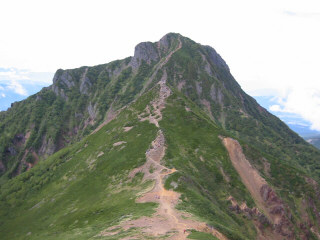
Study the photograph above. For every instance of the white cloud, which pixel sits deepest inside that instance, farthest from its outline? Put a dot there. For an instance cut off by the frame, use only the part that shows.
(275, 108)
(298, 123)
(302, 14)
(302, 101)
(24, 76)
(13, 74)
(17, 88)
(10, 78)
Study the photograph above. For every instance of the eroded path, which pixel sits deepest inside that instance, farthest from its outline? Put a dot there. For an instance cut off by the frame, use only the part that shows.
(167, 222)
(160, 66)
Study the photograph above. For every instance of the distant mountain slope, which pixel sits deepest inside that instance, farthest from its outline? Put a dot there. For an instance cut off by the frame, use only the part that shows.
(177, 151)
(294, 121)
(314, 140)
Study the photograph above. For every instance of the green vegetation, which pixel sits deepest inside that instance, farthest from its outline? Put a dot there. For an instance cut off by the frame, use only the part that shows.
(201, 236)
(78, 192)
(84, 188)
(195, 150)
(234, 110)
(67, 111)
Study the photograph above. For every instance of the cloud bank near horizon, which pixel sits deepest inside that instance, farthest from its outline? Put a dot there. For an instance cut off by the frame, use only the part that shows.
(17, 84)
(303, 102)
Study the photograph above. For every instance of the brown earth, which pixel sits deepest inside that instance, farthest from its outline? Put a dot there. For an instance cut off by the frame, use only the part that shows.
(119, 143)
(167, 222)
(127, 129)
(264, 196)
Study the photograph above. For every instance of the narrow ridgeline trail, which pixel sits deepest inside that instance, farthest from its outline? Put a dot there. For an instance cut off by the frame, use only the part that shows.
(167, 222)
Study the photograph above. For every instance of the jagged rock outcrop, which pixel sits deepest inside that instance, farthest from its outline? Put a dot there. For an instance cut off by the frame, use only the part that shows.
(164, 43)
(145, 51)
(216, 58)
(85, 83)
(64, 78)
(48, 147)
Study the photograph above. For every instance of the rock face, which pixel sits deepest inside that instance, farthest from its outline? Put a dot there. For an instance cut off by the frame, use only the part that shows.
(145, 51)
(216, 95)
(278, 211)
(152, 52)
(216, 58)
(62, 80)
(165, 43)
(85, 83)
(63, 77)
(47, 148)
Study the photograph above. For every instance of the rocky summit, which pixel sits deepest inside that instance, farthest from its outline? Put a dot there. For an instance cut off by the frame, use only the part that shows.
(161, 145)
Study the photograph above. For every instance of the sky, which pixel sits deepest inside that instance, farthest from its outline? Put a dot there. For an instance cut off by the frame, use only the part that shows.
(272, 47)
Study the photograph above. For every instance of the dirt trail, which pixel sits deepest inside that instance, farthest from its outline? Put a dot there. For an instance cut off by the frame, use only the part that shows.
(159, 66)
(167, 222)
(153, 111)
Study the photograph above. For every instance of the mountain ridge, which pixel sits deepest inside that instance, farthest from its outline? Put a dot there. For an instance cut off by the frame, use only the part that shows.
(105, 120)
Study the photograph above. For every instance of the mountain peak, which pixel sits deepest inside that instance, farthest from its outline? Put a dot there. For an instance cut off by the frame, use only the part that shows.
(152, 52)
(145, 51)
(136, 138)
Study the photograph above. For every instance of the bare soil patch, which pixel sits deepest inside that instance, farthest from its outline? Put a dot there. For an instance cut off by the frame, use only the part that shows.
(167, 221)
(127, 129)
(264, 196)
(119, 143)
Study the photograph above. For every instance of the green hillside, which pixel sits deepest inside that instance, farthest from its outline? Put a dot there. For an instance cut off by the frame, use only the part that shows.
(150, 160)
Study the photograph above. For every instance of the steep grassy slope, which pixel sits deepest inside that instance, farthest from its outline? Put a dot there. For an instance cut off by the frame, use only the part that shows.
(88, 189)
(207, 178)
(195, 150)
(48, 120)
(85, 188)
(78, 192)
(201, 74)
(76, 103)
(81, 99)
(82, 189)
